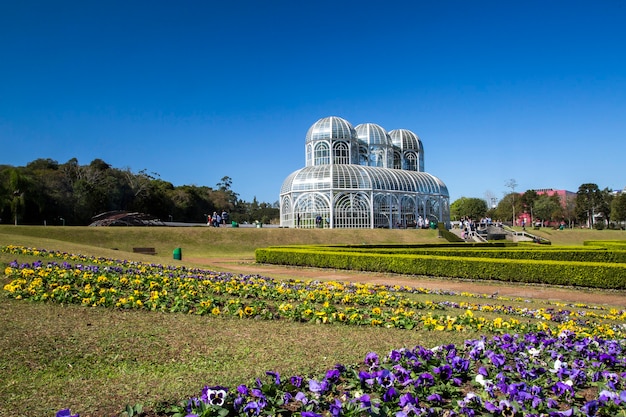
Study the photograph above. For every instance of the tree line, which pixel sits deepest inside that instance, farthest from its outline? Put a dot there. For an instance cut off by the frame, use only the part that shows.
(47, 192)
(590, 206)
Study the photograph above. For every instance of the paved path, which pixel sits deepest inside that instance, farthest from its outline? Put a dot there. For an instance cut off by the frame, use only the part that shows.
(570, 295)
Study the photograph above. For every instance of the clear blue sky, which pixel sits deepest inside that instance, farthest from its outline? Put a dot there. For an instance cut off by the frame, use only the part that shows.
(197, 90)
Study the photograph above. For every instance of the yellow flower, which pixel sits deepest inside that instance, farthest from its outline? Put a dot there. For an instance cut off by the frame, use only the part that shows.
(285, 307)
(27, 272)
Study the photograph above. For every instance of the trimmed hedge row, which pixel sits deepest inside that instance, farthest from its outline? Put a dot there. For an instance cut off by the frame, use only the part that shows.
(608, 244)
(582, 274)
(582, 254)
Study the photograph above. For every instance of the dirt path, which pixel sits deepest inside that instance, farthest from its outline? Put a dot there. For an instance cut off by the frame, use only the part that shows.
(248, 266)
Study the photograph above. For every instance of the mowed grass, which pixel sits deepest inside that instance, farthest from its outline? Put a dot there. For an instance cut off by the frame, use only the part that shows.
(199, 241)
(96, 360)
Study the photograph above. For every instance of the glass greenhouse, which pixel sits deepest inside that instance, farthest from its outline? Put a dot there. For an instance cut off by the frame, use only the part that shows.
(363, 177)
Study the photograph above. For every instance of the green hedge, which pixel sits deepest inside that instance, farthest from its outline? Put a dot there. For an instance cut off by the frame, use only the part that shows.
(609, 244)
(486, 250)
(584, 274)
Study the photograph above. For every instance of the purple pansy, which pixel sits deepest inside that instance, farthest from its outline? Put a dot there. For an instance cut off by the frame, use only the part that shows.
(65, 413)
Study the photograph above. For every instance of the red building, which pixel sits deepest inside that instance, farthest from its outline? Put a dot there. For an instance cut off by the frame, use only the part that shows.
(564, 195)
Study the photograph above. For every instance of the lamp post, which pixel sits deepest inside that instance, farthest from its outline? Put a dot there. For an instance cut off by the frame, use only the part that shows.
(63, 220)
(512, 184)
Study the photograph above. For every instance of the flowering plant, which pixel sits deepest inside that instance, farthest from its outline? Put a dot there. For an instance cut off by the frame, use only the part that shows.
(558, 362)
(536, 374)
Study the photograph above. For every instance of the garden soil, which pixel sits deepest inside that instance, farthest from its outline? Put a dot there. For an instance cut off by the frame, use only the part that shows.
(492, 288)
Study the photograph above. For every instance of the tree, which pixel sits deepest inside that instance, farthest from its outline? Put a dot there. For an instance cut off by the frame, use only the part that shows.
(586, 197)
(224, 196)
(71, 193)
(474, 208)
(225, 183)
(506, 207)
(17, 189)
(512, 184)
(604, 206)
(527, 201)
(618, 208)
(591, 202)
(569, 211)
(548, 207)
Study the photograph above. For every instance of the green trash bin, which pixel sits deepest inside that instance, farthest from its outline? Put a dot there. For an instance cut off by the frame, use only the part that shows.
(433, 225)
(234, 224)
(178, 254)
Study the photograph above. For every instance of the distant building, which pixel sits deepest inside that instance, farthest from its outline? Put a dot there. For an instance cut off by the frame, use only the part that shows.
(363, 177)
(564, 195)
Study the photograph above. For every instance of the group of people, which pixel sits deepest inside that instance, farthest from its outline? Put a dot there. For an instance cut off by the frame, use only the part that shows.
(216, 219)
(469, 225)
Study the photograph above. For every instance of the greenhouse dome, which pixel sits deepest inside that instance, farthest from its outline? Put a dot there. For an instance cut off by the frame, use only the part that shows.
(409, 150)
(349, 180)
(375, 146)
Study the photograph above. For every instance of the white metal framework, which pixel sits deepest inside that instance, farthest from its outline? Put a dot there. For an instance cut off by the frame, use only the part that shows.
(362, 178)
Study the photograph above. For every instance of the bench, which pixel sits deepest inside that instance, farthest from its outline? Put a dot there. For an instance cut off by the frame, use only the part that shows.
(146, 251)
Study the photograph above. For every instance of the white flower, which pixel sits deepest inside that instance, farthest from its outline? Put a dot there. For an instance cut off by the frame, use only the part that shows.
(558, 365)
(482, 381)
(534, 352)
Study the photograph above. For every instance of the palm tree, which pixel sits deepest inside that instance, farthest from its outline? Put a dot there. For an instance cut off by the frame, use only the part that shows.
(17, 182)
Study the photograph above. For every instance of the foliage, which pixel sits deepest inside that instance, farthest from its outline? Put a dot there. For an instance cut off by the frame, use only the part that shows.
(45, 191)
(618, 208)
(527, 201)
(604, 274)
(548, 208)
(509, 205)
(591, 202)
(473, 208)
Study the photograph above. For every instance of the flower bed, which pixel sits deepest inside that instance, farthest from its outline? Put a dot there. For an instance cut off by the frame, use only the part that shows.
(136, 285)
(536, 374)
(551, 362)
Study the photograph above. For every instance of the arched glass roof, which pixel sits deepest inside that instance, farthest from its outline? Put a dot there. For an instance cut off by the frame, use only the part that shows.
(364, 178)
(406, 140)
(329, 128)
(373, 134)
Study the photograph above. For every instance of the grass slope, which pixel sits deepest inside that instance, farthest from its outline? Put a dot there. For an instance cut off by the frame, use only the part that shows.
(202, 241)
